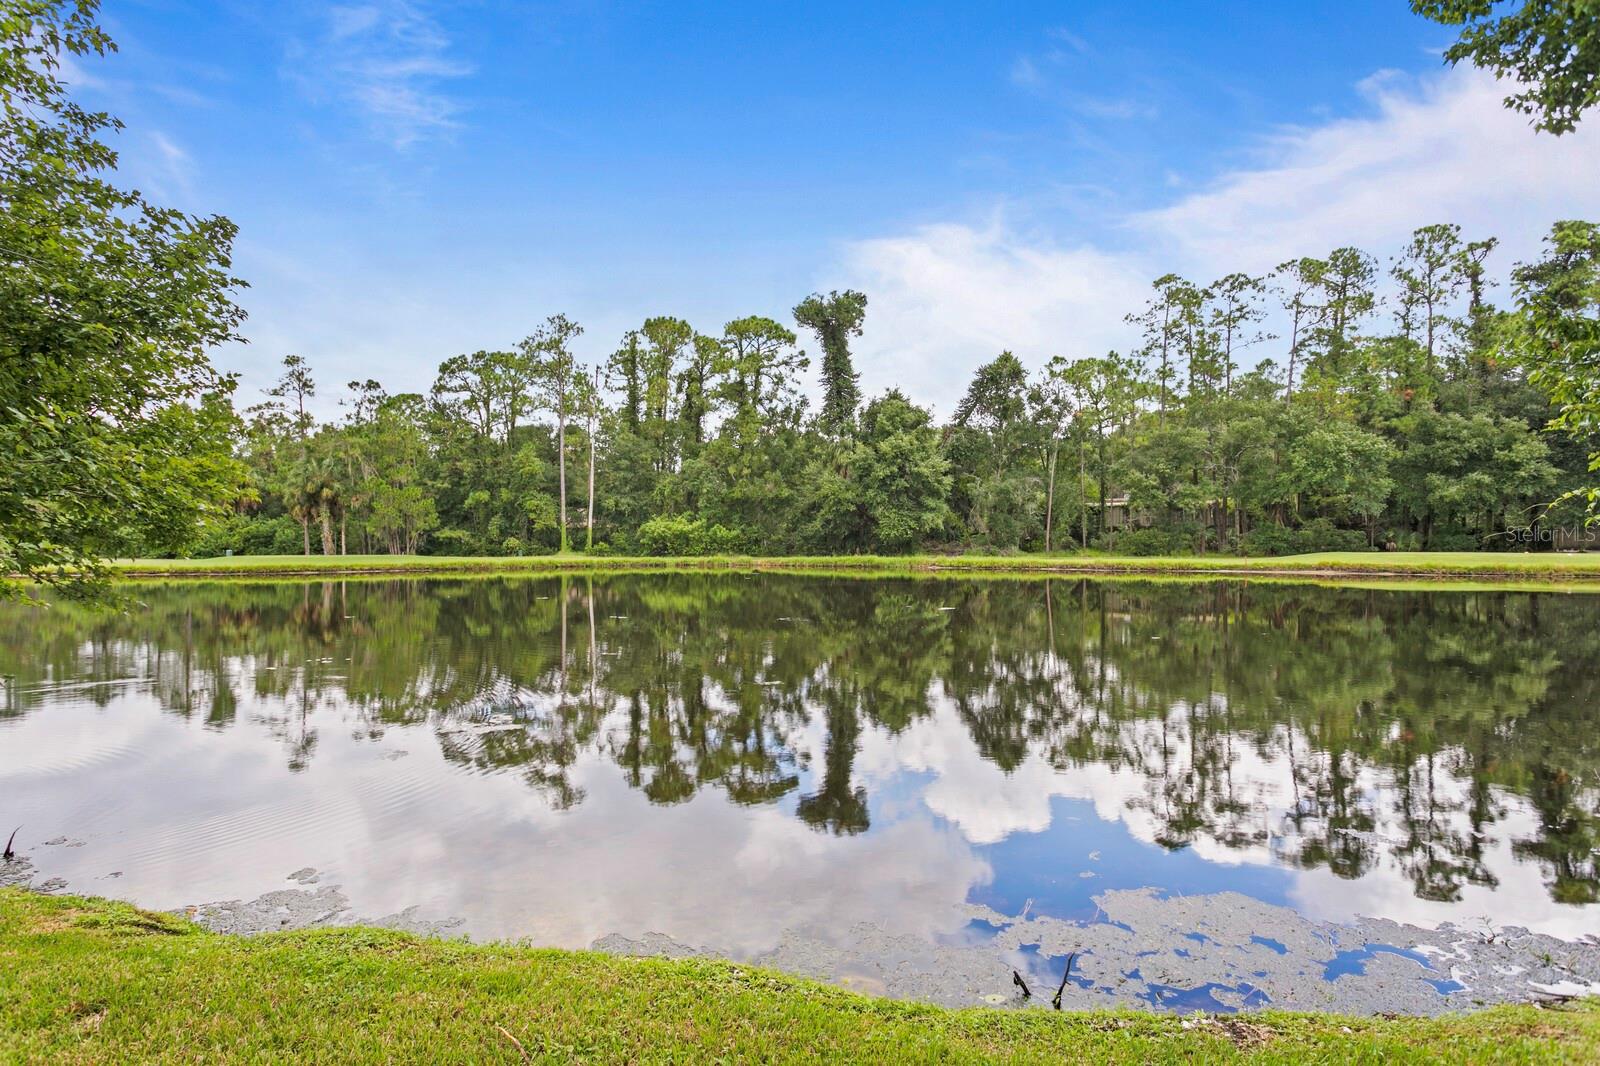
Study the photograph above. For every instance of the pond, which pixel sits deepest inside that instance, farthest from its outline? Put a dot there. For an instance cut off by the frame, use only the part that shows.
(911, 785)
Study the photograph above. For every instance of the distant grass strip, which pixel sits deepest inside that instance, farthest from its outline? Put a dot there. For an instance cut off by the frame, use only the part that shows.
(85, 980)
(1545, 565)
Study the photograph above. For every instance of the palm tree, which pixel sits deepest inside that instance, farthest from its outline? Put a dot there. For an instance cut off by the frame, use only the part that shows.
(322, 494)
(300, 504)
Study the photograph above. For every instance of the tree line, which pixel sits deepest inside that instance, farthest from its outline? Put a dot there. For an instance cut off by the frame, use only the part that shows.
(1391, 405)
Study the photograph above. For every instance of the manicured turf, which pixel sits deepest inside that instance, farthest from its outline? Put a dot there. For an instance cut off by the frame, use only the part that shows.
(1547, 565)
(85, 980)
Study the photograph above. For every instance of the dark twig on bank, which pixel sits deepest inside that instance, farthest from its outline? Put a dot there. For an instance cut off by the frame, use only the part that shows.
(9, 853)
(1056, 1002)
(1016, 979)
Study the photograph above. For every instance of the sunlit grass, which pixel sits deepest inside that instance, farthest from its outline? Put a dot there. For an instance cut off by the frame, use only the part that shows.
(1422, 564)
(85, 980)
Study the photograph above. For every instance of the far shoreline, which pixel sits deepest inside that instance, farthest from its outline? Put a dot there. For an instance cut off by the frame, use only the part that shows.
(1569, 569)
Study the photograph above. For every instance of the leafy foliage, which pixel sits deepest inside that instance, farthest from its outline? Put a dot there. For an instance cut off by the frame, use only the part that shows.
(1551, 48)
(676, 535)
(116, 428)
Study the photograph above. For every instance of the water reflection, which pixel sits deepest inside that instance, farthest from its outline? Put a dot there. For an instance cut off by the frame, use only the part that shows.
(1440, 742)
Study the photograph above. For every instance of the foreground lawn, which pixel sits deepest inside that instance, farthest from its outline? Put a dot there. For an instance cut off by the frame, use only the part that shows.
(1442, 564)
(85, 980)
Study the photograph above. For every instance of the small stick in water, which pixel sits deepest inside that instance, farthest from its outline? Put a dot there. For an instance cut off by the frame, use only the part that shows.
(9, 854)
(1056, 1003)
(1016, 979)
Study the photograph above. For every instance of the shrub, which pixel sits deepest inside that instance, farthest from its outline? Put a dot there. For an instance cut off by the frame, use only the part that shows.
(277, 536)
(219, 537)
(1154, 542)
(1458, 540)
(1318, 535)
(681, 535)
(1270, 539)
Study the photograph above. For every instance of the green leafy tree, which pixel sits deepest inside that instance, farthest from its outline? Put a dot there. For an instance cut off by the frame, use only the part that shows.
(1339, 467)
(394, 459)
(900, 473)
(666, 339)
(116, 427)
(759, 372)
(555, 379)
(1549, 48)
(836, 318)
(1053, 403)
(1166, 321)
(697, 393)
(990, 441)
(1558, 341)
(1347, 297)
(590, 402)
(1430, 272)
(1235, 317)
(296, 385)
(627, 367)
(1299, 283)
(1468, 473)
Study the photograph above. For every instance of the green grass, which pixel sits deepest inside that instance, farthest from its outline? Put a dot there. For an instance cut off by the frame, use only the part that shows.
(84, 980)
(1547, 565)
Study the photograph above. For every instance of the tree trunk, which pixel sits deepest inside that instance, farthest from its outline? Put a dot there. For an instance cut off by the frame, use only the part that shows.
(561, 465)
(326, 521)
(343, 544)
(305, 534)
(1050, 496)
(1083, 499)
(1294, 354)
(588, 522)
(1432, 365)
(1103, 479)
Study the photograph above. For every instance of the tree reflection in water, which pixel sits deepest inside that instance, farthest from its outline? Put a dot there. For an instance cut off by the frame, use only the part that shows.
(1426, 712)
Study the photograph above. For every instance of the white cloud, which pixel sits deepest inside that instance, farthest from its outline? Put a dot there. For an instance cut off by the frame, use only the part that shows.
(388, 59)
(949, 296)
(945, 298)
(1435, 149)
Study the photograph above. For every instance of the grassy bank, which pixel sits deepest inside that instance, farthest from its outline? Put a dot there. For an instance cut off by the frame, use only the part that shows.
(1546, 566)
(85, 980)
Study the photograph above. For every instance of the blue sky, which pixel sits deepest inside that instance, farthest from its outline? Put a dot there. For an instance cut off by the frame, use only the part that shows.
(415, 179)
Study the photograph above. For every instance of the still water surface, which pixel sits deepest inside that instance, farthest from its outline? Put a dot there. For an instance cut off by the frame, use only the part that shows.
(723, 758)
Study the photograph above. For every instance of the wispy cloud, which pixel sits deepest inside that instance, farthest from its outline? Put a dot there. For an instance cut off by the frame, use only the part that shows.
(1025, 73)
(1054, 71)
(1065, 37)
(174, 167)
(390, 61)
(72, 71)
